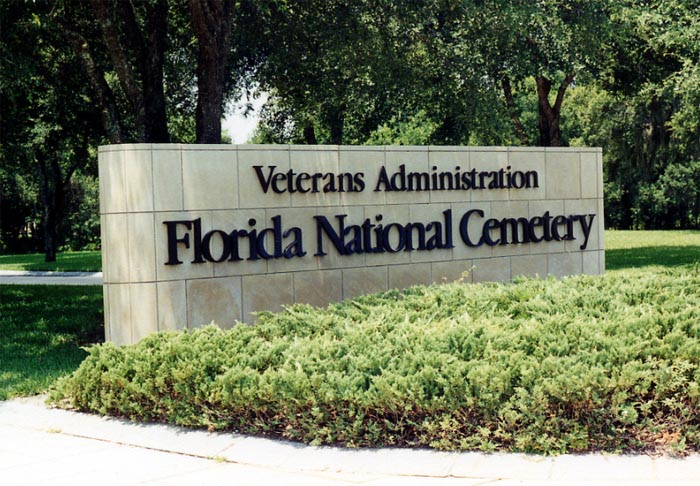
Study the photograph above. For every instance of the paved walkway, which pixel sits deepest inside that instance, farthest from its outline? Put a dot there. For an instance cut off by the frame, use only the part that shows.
(50, 278)
(42, 446)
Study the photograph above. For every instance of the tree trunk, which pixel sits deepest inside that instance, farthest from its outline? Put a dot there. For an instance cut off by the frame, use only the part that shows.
(513, 112)
(105, 98)
(212, 21)
(47, 196)
(141, 80)
(150, 52)
(549, 115)
(310, 134)
(125, 73)
(336, 120)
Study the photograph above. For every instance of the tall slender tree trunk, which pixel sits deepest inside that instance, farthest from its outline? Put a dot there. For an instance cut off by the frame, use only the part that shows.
(120, 60)
(48, 198)
(108, 107)
(154, 55)
(212, 21)
(549, 115)
(137, 59)
(336, 120)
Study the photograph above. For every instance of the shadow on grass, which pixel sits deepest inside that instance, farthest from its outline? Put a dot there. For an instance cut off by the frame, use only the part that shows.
(42, 330)
(662, 256)
(80, 261)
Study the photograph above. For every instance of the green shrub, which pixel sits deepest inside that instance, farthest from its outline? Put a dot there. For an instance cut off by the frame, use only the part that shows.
(545, 366)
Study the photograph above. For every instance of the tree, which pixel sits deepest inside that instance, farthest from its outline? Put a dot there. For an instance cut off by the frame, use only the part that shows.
(48, 118)
(551, 42)
(643, 111)
(134, 42)
(336, 70)
(149, 47)
(212, 21)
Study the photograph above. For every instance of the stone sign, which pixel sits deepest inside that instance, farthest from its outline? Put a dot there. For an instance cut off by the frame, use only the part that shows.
(199, 233)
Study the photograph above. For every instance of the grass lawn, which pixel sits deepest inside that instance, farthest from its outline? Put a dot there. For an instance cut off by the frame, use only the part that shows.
(640, 249)
(78, 261)
(42, 328)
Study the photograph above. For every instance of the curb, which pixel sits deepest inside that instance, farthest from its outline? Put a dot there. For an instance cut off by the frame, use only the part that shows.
(282, 455)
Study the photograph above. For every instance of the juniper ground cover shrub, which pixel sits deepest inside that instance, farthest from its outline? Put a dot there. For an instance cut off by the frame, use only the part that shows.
(548, 366)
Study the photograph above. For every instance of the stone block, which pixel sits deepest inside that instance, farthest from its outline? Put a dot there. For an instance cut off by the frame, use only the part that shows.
(601, 224)
(322, 162)
(564, 264)
(563, 172)
(332, 259)
(362, 281)
(210, 179)
(144, 310)
(456, 161)
(138, 173)
(167, 180)
(453, 271)
(511, 209)
(529, 266)
(404, 276)
(527, 161)
(389, 214)
(367, 162)
(264, 147)
(266, 292)
(142, 250)
(119, 318)
(412, 161)
(591, 262)
(492, 270)
(489, 161)
(318, 288)
(252, 191)
(172, 305)
(429, 214)
(585, 207)
(462, 251)
(104, 257)
(227, 221)
(186, 270)
(112, 182)
(589, 175)
(539, 208)
(107, 312)
(157, 147)
(302, 218)
(115, 248)
(214, 299)
(599, 173)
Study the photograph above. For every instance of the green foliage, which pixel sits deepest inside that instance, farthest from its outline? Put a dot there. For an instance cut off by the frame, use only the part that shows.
(78, 261)
(548, 366)
(80, 230)
(42, 329)
(418, 130)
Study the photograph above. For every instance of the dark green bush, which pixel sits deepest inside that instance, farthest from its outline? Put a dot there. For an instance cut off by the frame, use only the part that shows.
(549, 366)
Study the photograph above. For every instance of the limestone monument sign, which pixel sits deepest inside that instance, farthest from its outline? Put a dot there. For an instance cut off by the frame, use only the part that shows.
(199, 233)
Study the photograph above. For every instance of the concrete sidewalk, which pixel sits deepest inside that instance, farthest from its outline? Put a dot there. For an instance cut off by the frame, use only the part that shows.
(16, 277)
(47, 446)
